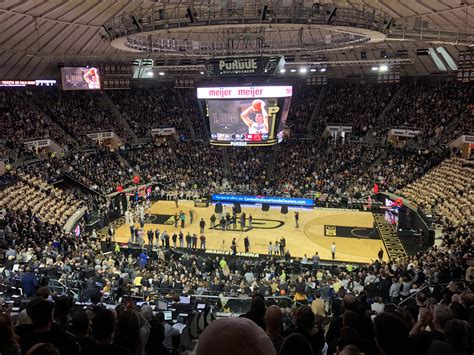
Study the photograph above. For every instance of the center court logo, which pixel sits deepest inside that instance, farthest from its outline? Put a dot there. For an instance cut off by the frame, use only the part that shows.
(256, 224)
(330, 231)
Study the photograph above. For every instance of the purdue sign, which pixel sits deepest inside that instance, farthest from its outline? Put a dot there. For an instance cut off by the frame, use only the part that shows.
(245, 66)
(238, 66)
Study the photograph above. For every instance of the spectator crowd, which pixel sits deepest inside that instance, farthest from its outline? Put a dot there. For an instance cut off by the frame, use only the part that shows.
(421, 304)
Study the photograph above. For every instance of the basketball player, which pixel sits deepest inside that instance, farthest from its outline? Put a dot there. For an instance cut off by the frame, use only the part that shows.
(260, 125)
(91, 77)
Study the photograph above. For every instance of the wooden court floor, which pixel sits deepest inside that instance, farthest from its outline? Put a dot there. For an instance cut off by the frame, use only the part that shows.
(308, 238)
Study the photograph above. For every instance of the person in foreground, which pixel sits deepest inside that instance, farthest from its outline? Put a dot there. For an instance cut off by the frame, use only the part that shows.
(234, 336)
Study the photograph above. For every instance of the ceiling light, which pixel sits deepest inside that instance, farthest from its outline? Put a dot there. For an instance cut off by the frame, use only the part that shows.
(293, 70)
(322, 70)
(383, 68)
(161, 73)
(375, 68)
(202, 73)
(282, 70)
(312, 70)
(303, 70)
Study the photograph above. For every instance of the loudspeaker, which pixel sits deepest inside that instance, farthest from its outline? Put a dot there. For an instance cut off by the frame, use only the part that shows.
(104, 249)
(190, 15)
(237, 208)
(218, 208)
(107, 31)
(136, 23)
(124, 278)
(124, 202)
(331, 15)
(284, 209)
(265, 207)
(264, 13)
(422, 51)
(431, 237)
(388, 24)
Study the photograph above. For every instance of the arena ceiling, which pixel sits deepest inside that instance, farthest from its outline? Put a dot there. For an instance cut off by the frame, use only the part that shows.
(37, 35)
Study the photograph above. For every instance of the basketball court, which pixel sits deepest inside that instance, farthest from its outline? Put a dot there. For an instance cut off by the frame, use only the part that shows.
(351, 230)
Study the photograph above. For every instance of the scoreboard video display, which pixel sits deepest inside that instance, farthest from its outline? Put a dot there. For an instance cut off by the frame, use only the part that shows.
(244, 116)
(80, 78)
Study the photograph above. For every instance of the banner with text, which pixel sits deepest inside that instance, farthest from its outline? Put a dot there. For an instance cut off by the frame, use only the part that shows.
(244, 66)
(244, 92)
(290, 201)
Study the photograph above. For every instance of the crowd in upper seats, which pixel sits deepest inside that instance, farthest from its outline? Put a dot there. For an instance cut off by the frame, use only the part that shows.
(305, 167)
(446, 191)
(396, 168)
(303, 103)
(294, 168)
(193, 112)
(148, 108)
(79, 113)
(249, 168)
(359, 105)
(20, 121)
(439, 110)
(101, 170)
(185, 166)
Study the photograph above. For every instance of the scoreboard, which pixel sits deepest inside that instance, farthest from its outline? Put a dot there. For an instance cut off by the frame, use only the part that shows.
(116, 76)
(245, 116)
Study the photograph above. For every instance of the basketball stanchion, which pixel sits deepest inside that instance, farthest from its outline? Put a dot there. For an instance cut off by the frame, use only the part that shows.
(284, 211)
(265, 209)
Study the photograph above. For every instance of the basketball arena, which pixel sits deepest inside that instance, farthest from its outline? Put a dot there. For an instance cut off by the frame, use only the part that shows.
(236, 177)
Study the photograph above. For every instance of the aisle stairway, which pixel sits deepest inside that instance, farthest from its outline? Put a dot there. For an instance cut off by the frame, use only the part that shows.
(118, 116)
(315, 113)
(388, 234)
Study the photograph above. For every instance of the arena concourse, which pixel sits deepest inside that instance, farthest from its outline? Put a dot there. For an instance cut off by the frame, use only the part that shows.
(239, 178)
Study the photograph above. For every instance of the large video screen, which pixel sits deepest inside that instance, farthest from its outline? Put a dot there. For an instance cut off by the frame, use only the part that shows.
(80, 78)
(244, 116)
(392, 211)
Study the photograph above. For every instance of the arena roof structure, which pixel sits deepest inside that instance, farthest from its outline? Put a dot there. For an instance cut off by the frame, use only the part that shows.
(38, 35)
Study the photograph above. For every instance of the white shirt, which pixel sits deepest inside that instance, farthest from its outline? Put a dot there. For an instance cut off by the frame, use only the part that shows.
(378, 307)
(333, 248)
(169, 333)
(257, 128)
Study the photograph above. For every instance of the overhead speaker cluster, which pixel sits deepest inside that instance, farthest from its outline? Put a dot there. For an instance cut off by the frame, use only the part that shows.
(237, 208)
(190, 15)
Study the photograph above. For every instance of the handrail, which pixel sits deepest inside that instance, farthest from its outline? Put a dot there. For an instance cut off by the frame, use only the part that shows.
(173, 16)
(422, 289)
(463, 133)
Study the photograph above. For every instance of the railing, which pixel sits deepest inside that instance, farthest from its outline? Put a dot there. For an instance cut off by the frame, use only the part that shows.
(200, 48)
(33, 139)
(464, 133)
(151, 17)
(418, 28)
(6, 152)
(413, 295)
(154, 17)
(170, 17)
(405, 127)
